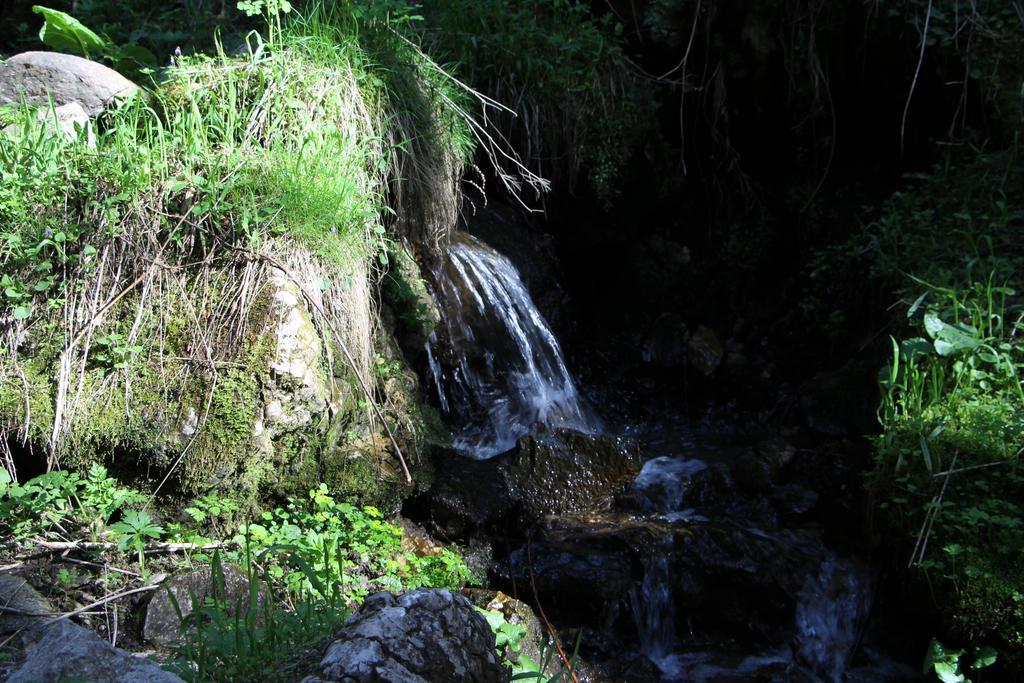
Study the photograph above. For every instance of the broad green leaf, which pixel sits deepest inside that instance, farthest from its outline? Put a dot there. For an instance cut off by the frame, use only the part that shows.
(22, 312)
(985, 656)
(944, 348)
(64, 33)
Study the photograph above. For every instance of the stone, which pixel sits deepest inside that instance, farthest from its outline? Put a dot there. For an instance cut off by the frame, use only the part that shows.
(842, 403)
(23, 606)
(163, 625)
(514, 612)
(69, 119)
(554, 473)
(426, 636)
(68, 651)
(705, 351)
(38, 77)
(665, 343)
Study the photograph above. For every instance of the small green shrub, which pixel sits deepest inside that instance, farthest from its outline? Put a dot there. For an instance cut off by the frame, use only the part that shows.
(322, 546)
(63, 499)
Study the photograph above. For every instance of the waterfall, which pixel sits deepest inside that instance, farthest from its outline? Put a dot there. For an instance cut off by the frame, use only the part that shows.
(496, 366)
(654, 612)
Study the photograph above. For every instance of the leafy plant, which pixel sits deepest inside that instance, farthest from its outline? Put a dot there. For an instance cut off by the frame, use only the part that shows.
(252, 638)
(947, 664)
(325, 546)
(112, 353)
(133, 531)
(64, 33)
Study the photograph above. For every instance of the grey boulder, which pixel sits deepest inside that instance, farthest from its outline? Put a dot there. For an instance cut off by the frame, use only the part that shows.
(426, 636)
(163, 625)
(68, 651)
(37, 77)
(21, 605)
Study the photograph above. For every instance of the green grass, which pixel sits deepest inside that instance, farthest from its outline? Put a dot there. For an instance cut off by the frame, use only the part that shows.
(329, 138)
(949, 479)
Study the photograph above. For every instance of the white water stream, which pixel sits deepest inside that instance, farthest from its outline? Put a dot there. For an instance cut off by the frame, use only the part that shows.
(497, 368)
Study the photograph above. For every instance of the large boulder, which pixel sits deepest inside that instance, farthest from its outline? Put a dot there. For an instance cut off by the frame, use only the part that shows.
(66, 651)
(426, 636)
(38, 77)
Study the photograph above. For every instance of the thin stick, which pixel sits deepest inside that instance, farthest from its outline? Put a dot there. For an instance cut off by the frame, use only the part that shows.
(917, 72)
(61, 546)
(102, 601)
(929, 518)
(540, 609)
(970, 469)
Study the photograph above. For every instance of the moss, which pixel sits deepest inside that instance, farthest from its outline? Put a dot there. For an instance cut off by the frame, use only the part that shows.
(115, 414)
(33, 395)
(406, 293)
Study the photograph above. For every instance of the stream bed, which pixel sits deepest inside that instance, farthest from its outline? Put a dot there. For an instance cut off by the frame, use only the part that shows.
(675, 549)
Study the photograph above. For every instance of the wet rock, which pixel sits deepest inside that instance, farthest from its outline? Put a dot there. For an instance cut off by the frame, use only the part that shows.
(23, 606)
(665, 344)
(794, 501)
(752, 473)
(663, 482)
(841, 403)
(554, 473)
(37, 77)
(705, 351)
(66, 651)
(777, 452)
(163, 625)
(415, 314)
(423, 636)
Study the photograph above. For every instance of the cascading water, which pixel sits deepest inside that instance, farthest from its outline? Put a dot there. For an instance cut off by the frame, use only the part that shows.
(497, 367)
(654, 612)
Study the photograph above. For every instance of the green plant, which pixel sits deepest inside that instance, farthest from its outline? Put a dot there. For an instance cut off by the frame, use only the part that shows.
(64, 33)
(134, 530)
(947, 664)
(62, 498)
(253, 638)
(324, 546)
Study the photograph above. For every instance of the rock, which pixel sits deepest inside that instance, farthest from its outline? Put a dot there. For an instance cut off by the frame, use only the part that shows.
(665, 343)
(563, 471)
(842, 403)
(663, 482)
(514, 612)
(752, 473)
(163, 626)
(66, 651)
(426, 636)
(705, 351)
(39, 76)
(793, 500)
(414, 310)
(69, 119)
(23, 605)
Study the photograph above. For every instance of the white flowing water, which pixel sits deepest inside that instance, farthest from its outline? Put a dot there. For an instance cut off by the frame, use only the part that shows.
(497, 368)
